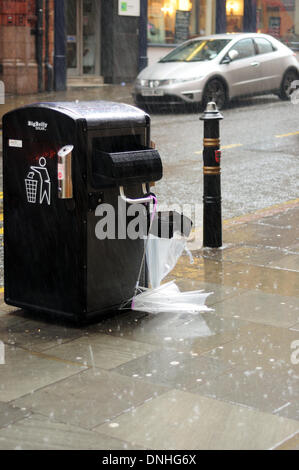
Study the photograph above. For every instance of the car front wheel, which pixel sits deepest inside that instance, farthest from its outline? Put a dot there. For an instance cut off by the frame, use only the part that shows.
(215, 91)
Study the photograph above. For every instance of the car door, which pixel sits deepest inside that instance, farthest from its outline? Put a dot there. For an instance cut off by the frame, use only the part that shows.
(270, 64)
(243, 74)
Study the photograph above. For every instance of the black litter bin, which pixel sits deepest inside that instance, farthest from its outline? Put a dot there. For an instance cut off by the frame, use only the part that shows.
(61, 162)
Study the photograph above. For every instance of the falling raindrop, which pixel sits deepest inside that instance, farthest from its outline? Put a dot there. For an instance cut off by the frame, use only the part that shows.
(113, 425)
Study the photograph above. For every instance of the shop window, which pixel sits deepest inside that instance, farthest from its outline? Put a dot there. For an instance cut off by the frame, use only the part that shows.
(234, 16)
(175, 21)
(278, 18)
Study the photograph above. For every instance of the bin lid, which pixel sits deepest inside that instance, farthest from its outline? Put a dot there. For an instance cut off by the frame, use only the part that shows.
(98, 114)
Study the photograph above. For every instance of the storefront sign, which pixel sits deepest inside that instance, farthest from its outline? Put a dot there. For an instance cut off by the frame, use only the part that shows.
(182, 22)
(129, 7)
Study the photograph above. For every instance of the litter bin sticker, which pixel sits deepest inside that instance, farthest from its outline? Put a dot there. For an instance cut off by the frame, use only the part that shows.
(38, 184)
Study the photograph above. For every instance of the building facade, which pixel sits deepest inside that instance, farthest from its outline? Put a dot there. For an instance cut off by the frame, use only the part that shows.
(26, 34)
(46, 43)
(171, 21)
(43, 43)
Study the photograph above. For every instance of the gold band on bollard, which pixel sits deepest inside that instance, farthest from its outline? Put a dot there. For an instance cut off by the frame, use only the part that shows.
(207, 142)
(211, 170)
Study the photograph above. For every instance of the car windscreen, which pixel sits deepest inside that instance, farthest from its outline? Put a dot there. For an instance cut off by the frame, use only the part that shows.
(196, 50)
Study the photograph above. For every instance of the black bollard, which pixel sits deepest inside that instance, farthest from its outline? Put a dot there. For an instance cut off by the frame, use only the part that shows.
(212, 223)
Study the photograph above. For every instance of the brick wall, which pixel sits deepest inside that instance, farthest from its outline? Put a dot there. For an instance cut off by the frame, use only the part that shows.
(18, 65)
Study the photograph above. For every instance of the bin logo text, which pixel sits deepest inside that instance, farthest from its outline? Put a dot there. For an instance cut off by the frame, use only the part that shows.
(38, 126)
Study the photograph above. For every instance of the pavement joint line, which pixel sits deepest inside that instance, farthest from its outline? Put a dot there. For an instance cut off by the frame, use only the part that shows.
(261, 213)
(43, 355)
(285, 441)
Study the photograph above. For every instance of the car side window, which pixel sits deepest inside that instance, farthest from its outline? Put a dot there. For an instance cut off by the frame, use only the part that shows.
(245, 48)
(263, 45)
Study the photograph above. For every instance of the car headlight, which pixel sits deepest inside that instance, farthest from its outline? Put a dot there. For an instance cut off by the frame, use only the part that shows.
(183, 80)
(156, 83)
(141, 82)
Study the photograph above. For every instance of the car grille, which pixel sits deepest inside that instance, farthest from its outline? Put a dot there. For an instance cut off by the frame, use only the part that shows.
(166, 99)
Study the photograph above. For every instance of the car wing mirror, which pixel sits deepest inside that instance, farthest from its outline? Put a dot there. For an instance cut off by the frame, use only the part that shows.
(233, 54)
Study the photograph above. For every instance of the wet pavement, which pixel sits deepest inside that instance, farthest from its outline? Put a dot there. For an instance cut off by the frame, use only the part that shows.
(223, 379)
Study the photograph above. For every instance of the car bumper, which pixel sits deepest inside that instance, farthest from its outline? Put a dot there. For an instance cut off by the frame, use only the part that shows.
(167, 95)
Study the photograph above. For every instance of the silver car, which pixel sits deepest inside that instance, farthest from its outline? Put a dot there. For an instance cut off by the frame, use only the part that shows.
(217, 68)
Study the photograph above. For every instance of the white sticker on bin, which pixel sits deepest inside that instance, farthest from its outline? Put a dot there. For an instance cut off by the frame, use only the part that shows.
(15, 143)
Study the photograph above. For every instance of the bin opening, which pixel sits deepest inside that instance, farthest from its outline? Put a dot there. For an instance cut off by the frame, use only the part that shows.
(114, 167)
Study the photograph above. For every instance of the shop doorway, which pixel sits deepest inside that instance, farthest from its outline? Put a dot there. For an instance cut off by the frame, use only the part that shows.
(83, 37)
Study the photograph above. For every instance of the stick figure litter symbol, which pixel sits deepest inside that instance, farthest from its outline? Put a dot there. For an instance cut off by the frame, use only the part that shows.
(38, 183)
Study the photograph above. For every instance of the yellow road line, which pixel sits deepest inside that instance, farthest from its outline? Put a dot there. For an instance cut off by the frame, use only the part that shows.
(1, 231)
(223, 147)
(1, 216)
(230, 146)
(286, 135)
(1, 290)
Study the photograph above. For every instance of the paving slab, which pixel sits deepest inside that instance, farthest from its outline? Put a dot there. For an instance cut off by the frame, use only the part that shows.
(35, 335)
(260, 307)
(10, 414)
(256, 255)
(240, 275)
(263, 348)
(25, 372)
(182, 420)
(40, 433)
(273, 390)
(258, 234)
(100, 350)
(289, 444)
(174, 369)
(89, 398)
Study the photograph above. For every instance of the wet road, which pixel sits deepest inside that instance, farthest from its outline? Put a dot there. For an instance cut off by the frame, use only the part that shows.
(259, 141)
